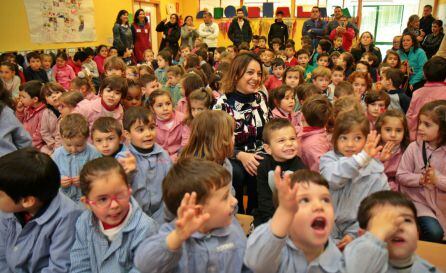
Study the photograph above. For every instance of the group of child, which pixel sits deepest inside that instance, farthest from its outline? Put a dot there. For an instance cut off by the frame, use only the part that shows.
(140, 177)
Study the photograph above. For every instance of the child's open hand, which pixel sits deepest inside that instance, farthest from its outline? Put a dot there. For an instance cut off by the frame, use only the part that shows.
(189, 217)
(65, 182)
(386, 152)
(371, 145)
(128, 162)
(385, 223)
(286, 194)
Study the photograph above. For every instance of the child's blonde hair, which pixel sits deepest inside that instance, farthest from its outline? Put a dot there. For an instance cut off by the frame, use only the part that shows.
(73, 125)
(321, 71)
(345, 104)
(345, 122)
(115, 62)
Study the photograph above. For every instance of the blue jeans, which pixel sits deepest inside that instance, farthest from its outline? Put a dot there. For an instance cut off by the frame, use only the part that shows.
(430, 229)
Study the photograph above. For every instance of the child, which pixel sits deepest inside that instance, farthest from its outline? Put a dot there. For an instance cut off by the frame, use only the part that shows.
(391, 81)
(115, 66)
(101, 55)
(48, 128)
(334, 56)
(132, 73)
(294, 76)
(68, 102)
(376, 103)
(351, 171)
(392, 125)
(396, 43)
(34, 71)
(323, 47)
(361, 83)
(198, 193)
(255, 42)
(113, 220)
(189, 82)
(281, 144)
(284, 101)
(219, 53)
(317, 112)
(343, 89)
(134, 94)
(303, 58)
(289, 53)
(145, 70)
(169, 123)
(47, 64)
(174, 74)
(232, 51)
(90, 65)
(112, 51)
(149, 58)
(267, 57)
(337, 76)
(148, 84)
(363, 66)
(152, 162)
(199, 100)
(29, 111)
(185, 50)
(74, 153)
(10, 80)
(297, 239)
(321, 78)
(112, 90)
(373, 62)
(63, 73)
(262, 44)
(276, 44)
(420, 173)
(393, 59)
(433, 89)
(337, 45)
(36, 222)
(76, 61)
(275, 80)
(84, 84)
(164, 59)
(345, 104)
(106, 134)
(347, 62)
(389, 223)
(323, 60)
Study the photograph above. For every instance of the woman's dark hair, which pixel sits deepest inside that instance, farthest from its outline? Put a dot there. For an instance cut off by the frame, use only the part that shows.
(415, 43)
(98, 49)
(185, 19)
(237, 69)
(136, 17)
(440, 24)
(5, 98)
(120, 13)
(176, 16)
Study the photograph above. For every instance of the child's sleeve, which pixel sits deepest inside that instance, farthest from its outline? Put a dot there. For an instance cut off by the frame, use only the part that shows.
(338, 171)
(146, 228)
(153, 255)
(48, 125)
(3, 236)
(405, 174)
(20, 136)
(79, 256)
(265, 196)
(263, 250)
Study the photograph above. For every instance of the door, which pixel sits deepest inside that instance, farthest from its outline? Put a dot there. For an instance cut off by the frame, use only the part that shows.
(151, 13)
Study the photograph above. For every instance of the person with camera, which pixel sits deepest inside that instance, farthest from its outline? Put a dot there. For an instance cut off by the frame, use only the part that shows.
(345, 31)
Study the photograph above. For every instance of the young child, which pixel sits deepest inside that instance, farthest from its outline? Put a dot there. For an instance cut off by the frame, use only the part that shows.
(84, 84)
(152, 162)
(323, 60)
(262, 44)
(393, 59)
(149, 83)
(317, 112)
(134, 94)
(34, 71)
(376, 103)
(275, 80)
(293, 76)
(185, 50)
(174, 74)
(361, 83)
(392, 125)
(132, 73)
(29, 111)
(347, 62)
(48, 128)
(303, 58)
(276, 44)
(297, 238)
(255, 43)
(391, 81)
(68, 102)
(47, 64)
(351, 171)
(337, 76)
(164, 59)
(345, 104)
(219, 54)
(343, 89)
(282, 145)
(373, 62)
(169, 123)
(114, 66)
(362, 66)
(112, 90)
(62, 72)
(289, 52)
(9, 79)
(337, 45)
(106, 134)
(145, 70)
(334, 56)
(36, 221)
(149, 58)
(284, 101)
(420, 173)
(73, 154)
(189, 82)
(198, 192)
(101, 55)
(90, 65)
(321, 78)
(76, 61)
(389, 223)
(267, 57)
(113, 226)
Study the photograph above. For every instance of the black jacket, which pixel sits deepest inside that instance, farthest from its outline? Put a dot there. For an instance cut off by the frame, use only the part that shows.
(278, 30)
(39, 75)
(358, 51)
(431, 44)
(172, 34)
(426, 24)
(237, 35)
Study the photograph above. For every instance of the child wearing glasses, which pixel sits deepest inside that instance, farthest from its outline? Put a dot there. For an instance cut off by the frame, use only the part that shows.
(108, 233)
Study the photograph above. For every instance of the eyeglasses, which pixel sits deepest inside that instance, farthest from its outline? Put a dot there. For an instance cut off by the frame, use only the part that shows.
(105, 201)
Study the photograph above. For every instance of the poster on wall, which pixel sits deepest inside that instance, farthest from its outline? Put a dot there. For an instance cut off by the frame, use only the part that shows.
(60, 21)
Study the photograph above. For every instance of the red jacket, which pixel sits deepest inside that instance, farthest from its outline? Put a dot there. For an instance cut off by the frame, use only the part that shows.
(347, 37)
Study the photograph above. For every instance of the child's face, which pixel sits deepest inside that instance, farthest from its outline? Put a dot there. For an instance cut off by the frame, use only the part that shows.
(217, 56)
(428, 130)
(35, 64)
(334, 59)
(367, 60)
(6, 73)
(46, 63)
(319, 49)
(231, 51)
(276, 47)
(185, 52)
(7, 204)
(61, 62)
(396, 43)
(161, 62)
(359, 86)
(314, 219)
(288, 102)
(163, 107)
(392, 130)
(26, 99)
(283, 144)
(103, 52)
(113, 72)
(133, 97)
(196, 107)
(142, 135)
(53, 99)
(75, 144)
(321, 82)
(262, 43)
(337, 77)
(197, 43)
(303, 59)
(130, 74)
(376, 109)
(109, 198)
(173, 79)
(106, 143)
(113, 52)
(148, 56)
(150, 87)
(255, 42)
(64, 109)
(220, 205)
(323, 61)
(267, 57)
(351, 143)
(386, 83)
(392, 60)
(361, 68)
(289, 52)
(340, 61)
(292, 79)
(111, 97)
(278, 71)
(338, 42)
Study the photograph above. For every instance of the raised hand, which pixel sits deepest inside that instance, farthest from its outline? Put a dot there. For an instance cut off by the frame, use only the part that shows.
(128, 162)
(190, 217)
(386, 152)
(385, 223)
(285, 193)
(371, 145)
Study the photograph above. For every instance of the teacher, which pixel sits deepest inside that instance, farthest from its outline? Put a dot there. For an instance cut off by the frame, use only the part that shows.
(141, 35)
(171, 34)
(122, 34)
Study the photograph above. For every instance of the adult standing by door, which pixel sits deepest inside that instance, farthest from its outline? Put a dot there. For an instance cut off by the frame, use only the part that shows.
(188, 32)
(240, 30)
(171, 34)
(141, 35)
(427, 20)
(278, 30)
(314, 27)
(122, 34)
(208, 31)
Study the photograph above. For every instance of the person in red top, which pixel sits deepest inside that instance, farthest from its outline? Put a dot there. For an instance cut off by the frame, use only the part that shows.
(345, 31)
(275, 80)
(289, 52)
(141, 35)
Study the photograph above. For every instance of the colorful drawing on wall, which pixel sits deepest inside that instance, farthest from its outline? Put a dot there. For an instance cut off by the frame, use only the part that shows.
(60, 21)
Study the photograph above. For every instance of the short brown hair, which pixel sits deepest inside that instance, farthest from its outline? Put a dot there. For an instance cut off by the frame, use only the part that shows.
(317, 111)
(321, 71)
(115, 83)
(345, 104)
(193, 175)
(73, 125)
(176, 70)
(72, 98)
(51, 87)
(237, 69)
(277, 94)
(133, 114)
(307, 90)
(344, 123)
(155, 94)
(115, 62)
(273, 125)
(374, 96)
(106, 125)
(343, 88)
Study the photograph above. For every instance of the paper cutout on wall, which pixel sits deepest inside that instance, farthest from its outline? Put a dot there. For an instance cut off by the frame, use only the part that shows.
(301, 13)
(218, 13)
(229, 11)
(253, 12)
(285, 10)
(268, 10)
(170, 8)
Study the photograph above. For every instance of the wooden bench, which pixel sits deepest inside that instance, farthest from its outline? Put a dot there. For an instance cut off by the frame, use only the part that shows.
(433, 253)
(245, 221)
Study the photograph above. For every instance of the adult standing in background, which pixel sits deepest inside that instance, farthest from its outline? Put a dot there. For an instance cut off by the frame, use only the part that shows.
(122, 34)
(141, 35)
(314, 27)
(427, 20)
(278, 30)
(432, 42)
(366, 45)
(208, 31)
(337, 20)
(345, 31)
(171, 34)
(413, 28)
(240, 30)
(188, 32)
